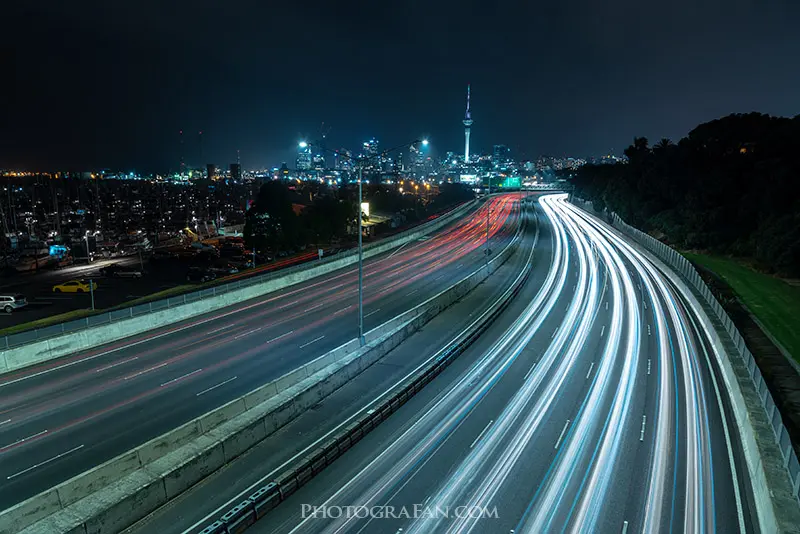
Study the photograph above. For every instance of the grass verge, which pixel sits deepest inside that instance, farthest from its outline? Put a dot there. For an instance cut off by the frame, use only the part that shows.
(47, 321)
(774, 302)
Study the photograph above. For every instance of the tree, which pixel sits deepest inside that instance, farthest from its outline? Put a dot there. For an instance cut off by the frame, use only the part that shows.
(271, 221)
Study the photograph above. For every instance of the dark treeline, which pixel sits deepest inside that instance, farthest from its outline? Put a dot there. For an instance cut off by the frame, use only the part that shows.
(732, 186)
(287, 216)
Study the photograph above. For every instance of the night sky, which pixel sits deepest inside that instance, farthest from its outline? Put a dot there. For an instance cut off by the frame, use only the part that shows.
(109, 84)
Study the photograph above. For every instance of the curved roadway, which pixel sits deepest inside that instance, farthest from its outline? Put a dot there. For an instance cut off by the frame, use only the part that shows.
(596, 409)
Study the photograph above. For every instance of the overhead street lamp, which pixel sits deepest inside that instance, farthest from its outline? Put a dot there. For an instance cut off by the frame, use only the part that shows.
(360, 163)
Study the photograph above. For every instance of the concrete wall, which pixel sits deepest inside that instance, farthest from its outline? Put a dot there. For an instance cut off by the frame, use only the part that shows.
(64, 345)
(121, 491)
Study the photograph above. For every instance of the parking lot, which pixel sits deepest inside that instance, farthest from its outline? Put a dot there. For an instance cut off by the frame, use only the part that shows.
(43, 302)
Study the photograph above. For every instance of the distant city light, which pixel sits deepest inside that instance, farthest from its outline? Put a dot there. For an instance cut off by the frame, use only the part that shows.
(303, 144)
(424, 142)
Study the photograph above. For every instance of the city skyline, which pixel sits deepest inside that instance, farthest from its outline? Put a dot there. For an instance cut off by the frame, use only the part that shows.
(100, 86)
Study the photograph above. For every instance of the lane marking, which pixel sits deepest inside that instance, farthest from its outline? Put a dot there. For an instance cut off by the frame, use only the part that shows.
(482, 432)
(313, 307)
(180, 377)
(398, 250)
(289, 304)
(370, 313)
(220, 329)
(624, 527)
(602, 330)
(648, 331)
(644, 421)
(280, 336)
(563, 431)
(248, 332)
(409, 294)
(606, 304)
(31, 468)
(4, 422)
(438, 277)
(554, 333)
(215, 387)
(146, 371)
(115, 364)
(530, 370)
(645, 304)
(342, 310)
(310, 342)
(23, 440)
(590, 370)
(648, 366)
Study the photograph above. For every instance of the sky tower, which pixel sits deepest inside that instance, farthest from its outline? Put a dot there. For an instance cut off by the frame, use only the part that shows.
(467, 123)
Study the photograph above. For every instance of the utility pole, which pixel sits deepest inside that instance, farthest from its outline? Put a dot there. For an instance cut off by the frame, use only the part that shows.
(361, 339)
(488, 211)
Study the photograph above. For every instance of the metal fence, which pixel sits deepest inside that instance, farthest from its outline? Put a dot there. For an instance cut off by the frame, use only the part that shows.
(684, 267)
(38, 334)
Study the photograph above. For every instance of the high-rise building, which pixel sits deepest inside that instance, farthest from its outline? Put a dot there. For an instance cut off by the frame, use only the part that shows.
(501, 154)
(236, 172)
(304, 158)
(467, 124)
(344, 160)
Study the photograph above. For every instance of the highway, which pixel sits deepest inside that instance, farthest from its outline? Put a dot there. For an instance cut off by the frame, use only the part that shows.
(61, 418)
(592, 405)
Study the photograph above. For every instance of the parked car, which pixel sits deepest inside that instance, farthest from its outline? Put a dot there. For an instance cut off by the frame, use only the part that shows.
(118, 271)
(200, 275)
(75, 286)
(162, 254)
(223, 268)
(9, 303)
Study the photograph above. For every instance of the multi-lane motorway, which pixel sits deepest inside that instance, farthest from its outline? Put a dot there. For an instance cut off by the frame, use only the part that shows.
(592, 405)
(61, 418)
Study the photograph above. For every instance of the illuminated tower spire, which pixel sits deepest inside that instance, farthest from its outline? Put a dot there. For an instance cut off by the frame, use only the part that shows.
(467, 123)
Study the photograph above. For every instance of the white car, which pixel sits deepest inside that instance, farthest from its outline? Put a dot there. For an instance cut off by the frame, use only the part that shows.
(9, 303)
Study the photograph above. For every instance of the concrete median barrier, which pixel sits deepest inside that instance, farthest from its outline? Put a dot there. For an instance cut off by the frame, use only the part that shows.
(168, 464)
(66, 344)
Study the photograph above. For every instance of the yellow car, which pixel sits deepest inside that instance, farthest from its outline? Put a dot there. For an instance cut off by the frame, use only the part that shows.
(74, 286)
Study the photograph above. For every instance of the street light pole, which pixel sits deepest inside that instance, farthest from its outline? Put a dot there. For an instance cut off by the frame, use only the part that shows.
(487, 220)
(361, 339)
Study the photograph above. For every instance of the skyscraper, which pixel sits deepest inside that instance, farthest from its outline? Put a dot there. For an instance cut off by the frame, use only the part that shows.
(303, 162)
(236, 172)
(501, 154)
(467, 123)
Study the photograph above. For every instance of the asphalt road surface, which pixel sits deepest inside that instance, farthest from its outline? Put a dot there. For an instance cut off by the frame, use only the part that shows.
(596, 408)
(61, 418)
(208, 500)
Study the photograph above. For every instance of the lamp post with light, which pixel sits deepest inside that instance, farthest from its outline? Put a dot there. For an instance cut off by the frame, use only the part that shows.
(361, 162)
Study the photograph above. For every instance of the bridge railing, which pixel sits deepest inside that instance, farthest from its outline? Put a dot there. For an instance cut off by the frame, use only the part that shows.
(37, 334)
(684, 267)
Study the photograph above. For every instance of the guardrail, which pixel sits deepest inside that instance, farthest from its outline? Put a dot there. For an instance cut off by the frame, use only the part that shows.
(30, 336)
(684, 267)
(264, 499)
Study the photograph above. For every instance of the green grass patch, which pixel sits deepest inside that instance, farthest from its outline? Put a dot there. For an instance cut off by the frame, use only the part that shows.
(47, 321)
(774, 302)
(171, 292)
